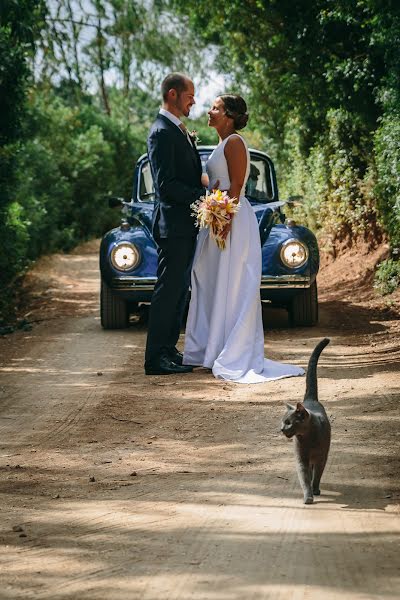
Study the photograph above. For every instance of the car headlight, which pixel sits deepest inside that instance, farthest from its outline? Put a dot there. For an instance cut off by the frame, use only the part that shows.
(125, 256)
(294, 253)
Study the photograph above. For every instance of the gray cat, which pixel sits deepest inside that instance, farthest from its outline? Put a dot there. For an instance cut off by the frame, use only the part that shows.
(309, 424)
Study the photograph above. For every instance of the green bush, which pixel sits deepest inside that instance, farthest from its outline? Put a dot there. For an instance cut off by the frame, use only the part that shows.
(20, 24)
(335, 177)
(387, 149)
(75, 157)
(387, 276)
(71, 157)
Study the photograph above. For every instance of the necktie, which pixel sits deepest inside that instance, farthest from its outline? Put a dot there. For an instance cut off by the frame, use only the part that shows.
(185, 131)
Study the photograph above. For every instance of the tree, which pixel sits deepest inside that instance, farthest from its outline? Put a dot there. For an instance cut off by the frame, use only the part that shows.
(322, 74)
(104, 46)
(20, 24)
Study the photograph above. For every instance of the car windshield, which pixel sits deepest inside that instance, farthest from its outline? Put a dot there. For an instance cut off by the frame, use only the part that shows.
(259, 187)
(146, 187)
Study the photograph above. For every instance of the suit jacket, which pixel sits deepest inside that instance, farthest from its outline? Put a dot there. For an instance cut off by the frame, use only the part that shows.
(176, 170)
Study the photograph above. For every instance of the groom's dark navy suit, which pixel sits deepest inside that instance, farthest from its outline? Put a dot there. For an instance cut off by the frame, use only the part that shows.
(176, 169)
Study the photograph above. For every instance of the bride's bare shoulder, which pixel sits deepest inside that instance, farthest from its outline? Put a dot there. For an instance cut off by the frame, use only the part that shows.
(235, 138)
(235, 145)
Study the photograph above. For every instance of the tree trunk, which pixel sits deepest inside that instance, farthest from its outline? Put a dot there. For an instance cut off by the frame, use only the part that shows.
(100, 46)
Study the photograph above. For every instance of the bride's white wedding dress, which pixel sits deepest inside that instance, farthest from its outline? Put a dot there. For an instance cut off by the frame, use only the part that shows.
(224, 330)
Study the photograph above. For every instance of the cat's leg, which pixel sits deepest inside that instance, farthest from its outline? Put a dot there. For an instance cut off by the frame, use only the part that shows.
(304, 475)
(318, 469)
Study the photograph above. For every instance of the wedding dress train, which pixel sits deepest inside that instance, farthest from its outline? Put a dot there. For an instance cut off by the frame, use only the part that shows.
(224, 329)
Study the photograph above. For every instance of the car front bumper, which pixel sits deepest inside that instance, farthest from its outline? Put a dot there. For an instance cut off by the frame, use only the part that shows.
(268, 282)
(275, 282)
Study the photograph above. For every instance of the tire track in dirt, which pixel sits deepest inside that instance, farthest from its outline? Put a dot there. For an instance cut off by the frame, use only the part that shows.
(214, 511)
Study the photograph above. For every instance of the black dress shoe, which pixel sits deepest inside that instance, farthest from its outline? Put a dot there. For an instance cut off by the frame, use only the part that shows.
(165, 366)
(176, 357)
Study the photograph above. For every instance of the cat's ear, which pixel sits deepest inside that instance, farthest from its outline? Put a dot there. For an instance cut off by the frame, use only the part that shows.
(301, 408)
(290, 406)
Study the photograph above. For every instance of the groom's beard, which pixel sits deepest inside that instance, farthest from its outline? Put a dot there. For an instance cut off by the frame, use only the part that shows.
(184, 109)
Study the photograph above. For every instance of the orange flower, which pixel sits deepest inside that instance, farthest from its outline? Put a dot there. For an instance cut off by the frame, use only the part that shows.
(215, 211)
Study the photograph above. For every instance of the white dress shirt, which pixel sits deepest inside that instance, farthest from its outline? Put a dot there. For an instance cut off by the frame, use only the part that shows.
(171, 117)
(176, 122)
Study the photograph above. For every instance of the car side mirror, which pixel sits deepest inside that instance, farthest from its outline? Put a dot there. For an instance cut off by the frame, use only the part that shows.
(293, 199)
(114, 201)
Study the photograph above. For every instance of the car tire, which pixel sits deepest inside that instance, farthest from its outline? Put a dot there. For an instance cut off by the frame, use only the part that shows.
(303, 310)
(114, 312)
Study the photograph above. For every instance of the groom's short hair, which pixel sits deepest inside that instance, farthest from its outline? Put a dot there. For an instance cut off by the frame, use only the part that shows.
(174, 81)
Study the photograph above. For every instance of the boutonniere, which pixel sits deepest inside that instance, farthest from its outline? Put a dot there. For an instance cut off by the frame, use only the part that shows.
(194, 136)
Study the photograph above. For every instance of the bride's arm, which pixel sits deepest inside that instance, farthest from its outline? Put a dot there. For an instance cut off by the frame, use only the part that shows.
(236, 158)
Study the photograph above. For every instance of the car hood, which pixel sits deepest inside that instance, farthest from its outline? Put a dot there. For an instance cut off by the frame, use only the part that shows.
(144, 211)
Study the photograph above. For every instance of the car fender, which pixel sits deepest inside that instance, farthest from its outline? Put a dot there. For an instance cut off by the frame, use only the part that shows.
(144, 242)
(271, 261)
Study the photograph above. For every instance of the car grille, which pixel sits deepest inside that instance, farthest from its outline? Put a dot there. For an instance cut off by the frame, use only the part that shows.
(134, 283)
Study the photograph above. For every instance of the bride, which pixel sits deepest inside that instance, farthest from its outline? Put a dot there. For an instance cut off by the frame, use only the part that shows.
(224, 330)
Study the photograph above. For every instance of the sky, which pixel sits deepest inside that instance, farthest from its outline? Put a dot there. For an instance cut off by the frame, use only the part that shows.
(206, 92)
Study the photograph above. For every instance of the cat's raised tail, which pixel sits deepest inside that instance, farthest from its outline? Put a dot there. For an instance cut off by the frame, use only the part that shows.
(311, 381)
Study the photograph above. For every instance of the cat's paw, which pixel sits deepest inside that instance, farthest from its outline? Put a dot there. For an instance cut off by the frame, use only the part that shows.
(308, 500)
(317, 492)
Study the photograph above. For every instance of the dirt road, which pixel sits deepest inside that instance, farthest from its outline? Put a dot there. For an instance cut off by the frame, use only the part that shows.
(118, 486)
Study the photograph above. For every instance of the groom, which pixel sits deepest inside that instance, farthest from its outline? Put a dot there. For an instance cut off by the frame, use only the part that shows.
(176, 169)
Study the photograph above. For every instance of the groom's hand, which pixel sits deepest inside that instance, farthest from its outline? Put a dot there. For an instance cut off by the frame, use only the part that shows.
(205, 180)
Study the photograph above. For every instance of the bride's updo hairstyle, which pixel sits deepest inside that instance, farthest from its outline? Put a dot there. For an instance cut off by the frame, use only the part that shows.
(236, 109)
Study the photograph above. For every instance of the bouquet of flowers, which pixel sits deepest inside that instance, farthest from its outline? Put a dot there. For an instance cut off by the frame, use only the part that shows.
(215, 210)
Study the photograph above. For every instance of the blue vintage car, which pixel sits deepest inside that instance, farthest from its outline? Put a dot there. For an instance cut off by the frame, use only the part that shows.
(290, 257)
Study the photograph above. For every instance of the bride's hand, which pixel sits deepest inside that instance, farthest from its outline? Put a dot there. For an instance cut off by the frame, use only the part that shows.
(226, 230)
(216, 185)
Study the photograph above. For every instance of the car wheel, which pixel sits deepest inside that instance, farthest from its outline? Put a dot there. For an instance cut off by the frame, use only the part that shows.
(114, 312)
(303, 310)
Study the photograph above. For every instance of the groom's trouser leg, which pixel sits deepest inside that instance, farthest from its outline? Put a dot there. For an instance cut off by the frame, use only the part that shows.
(175, 256)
